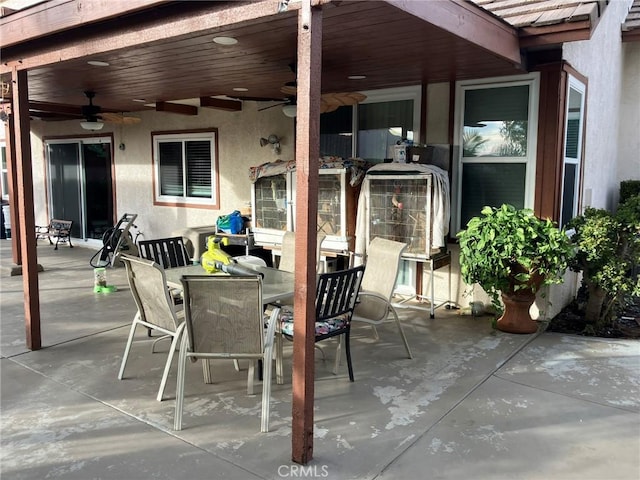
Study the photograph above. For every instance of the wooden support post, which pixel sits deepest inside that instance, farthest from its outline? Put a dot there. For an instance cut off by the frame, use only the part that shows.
(24, 199)
(307, 153)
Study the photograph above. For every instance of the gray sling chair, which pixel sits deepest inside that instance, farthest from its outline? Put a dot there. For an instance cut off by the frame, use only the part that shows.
(288, 252)
(381, 269)
(156, 309)
(224, 317)
(169, 252)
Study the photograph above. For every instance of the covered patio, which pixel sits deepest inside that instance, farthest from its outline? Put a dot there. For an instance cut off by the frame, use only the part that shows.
(473, 402)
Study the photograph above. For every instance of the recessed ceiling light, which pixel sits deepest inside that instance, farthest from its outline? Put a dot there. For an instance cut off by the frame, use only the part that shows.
(139, 100)
(225, 40)
(240, 89)
(98, 63)
(357, 77)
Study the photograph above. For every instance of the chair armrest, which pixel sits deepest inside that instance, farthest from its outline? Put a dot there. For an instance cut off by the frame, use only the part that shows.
(271, 328)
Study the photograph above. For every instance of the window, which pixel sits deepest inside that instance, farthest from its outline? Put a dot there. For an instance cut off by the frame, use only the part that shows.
(497, 134)
(185, 168)
(573, 131)
(384, 118)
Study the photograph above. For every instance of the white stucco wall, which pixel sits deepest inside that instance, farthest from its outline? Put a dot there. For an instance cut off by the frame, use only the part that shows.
(629, 139)
(239, 148)
(601, 60)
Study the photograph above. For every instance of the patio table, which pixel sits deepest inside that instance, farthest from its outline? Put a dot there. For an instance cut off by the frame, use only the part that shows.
(276, 284)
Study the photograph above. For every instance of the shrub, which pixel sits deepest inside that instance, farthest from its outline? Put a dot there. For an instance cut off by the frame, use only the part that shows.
(607, 246)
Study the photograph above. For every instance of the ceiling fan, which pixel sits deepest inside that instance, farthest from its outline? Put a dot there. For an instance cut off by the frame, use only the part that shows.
(95, 117)
(329, 102)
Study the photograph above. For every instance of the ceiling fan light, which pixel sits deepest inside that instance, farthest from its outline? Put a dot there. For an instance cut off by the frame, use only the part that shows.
(289, 111)
(92, 125)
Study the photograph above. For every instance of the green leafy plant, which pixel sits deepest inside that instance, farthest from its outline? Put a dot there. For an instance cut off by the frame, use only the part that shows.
(628, 189)
(505, 248)
(608, 255)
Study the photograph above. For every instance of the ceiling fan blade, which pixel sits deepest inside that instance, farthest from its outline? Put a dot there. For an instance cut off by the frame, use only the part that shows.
(289, 90)
(326, 108)
(343, 98)
(119, 118)
(274, 105)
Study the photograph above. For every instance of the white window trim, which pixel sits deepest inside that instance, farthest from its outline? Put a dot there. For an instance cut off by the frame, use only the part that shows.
(533, 80)
(581, 88)
(212, 137)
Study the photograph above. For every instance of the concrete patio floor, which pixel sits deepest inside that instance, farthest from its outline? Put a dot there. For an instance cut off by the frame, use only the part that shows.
(473, 403)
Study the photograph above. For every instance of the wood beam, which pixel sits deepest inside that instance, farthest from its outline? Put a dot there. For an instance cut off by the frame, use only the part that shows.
(50, 109)
(555, 34)
(25, 206)
(59, 15)
(307, 152)
(4, 11)
(176, 108)
(221, 104)
(55, 108)
(470, 22)
(216, 15)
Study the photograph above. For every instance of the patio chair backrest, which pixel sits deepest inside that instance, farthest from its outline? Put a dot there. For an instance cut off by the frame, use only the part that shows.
(168, 252)
(288, 251)
(224, 315)
(149, 289)
(381, 270)
(337, 292)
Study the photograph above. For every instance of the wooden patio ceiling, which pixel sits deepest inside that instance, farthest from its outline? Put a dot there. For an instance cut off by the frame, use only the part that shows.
(393, 43)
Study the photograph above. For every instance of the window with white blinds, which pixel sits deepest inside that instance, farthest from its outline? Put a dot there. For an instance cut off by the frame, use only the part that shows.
(185, 167)
(497, 139)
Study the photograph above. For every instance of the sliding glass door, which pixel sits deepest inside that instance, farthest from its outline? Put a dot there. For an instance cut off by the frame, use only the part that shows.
(80, 185)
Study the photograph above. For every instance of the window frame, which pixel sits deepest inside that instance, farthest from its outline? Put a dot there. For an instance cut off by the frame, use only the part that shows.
(413, 92)
(579, 86)
(209, 134)
(533, 82)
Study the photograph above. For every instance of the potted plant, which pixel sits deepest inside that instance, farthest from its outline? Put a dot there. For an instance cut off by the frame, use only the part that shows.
(511, 253)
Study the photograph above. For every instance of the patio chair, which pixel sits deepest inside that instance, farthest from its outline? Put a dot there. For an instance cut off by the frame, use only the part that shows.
(381, 269)
(156, 310)
(224, 320)
(168, 252)
(336, 295)
(288, 251)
